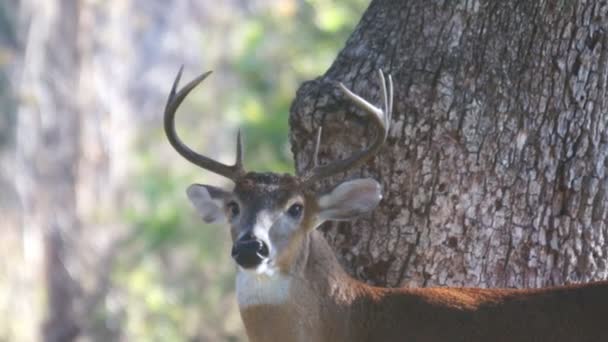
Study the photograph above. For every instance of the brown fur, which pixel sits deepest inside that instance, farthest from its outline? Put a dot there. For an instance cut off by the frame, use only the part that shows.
(327, 305)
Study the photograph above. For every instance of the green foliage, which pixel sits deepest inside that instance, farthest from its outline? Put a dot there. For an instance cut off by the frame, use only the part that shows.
(275, 53)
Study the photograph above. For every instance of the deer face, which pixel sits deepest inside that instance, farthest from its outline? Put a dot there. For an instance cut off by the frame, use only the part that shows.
(271, 214)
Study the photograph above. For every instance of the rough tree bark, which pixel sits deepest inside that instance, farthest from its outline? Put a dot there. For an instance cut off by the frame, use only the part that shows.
(495, 171)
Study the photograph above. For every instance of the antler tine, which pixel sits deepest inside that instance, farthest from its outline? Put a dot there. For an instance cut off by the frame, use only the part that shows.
(381, 120)
(315, 159)
(390, 101)
(173, 102)
(239, 151)
(385, 96)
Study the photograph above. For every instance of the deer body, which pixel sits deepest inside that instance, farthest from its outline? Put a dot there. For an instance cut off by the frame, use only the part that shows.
(290, 286)
(325, 304)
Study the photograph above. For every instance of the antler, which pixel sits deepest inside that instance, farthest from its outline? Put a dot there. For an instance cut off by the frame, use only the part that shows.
(381, 121)
(175, 99)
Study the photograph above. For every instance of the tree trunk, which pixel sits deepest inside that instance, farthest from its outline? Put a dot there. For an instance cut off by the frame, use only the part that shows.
(47, 155)
(494, 172)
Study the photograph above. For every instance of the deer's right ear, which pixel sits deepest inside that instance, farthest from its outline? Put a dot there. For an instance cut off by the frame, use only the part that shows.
(208, 201)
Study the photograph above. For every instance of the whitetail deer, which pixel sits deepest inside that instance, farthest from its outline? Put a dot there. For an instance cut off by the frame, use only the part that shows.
(290, 286)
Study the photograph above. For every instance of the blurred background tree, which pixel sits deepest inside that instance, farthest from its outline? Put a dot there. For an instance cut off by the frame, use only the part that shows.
(98, 239)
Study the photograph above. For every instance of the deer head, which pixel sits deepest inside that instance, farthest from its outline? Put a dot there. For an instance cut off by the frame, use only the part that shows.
(270, 214)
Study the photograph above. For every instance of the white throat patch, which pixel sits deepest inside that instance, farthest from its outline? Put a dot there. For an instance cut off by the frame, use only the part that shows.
(254, 289)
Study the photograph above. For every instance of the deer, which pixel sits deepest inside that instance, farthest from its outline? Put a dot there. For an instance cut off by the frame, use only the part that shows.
(291, 287)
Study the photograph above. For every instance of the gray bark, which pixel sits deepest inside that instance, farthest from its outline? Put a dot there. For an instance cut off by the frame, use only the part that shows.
(494, 172)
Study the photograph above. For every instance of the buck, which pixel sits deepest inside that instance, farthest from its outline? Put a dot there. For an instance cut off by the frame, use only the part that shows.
(290, 286)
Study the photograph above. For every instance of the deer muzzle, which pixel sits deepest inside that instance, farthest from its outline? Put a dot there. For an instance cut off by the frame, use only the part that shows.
(249, 251)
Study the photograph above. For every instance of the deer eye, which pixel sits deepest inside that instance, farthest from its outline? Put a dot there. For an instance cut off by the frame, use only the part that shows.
(233, 209)
(295, 210)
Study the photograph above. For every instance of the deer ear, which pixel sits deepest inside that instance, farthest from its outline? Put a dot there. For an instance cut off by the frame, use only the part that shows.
(349, 200)
(208, 201)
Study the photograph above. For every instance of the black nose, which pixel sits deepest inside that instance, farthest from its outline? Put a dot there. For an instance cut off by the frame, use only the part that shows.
(249, 252)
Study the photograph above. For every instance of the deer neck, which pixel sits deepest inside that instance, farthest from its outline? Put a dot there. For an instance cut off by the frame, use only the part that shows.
(314, 296)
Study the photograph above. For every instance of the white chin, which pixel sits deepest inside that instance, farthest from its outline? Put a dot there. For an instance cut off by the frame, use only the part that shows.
(265, 268)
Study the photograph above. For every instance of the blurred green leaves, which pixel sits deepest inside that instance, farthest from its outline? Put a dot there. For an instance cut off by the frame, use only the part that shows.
(331, 16)
(274, 53)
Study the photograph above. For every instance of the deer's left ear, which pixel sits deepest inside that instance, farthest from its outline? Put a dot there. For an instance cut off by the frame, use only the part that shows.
(349, 200)
(208, 201)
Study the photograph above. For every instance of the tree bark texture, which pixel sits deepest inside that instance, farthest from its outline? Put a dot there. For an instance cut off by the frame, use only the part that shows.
(494, 172)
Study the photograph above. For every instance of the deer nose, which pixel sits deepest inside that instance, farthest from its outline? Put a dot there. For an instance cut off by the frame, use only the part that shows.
(249, 251)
